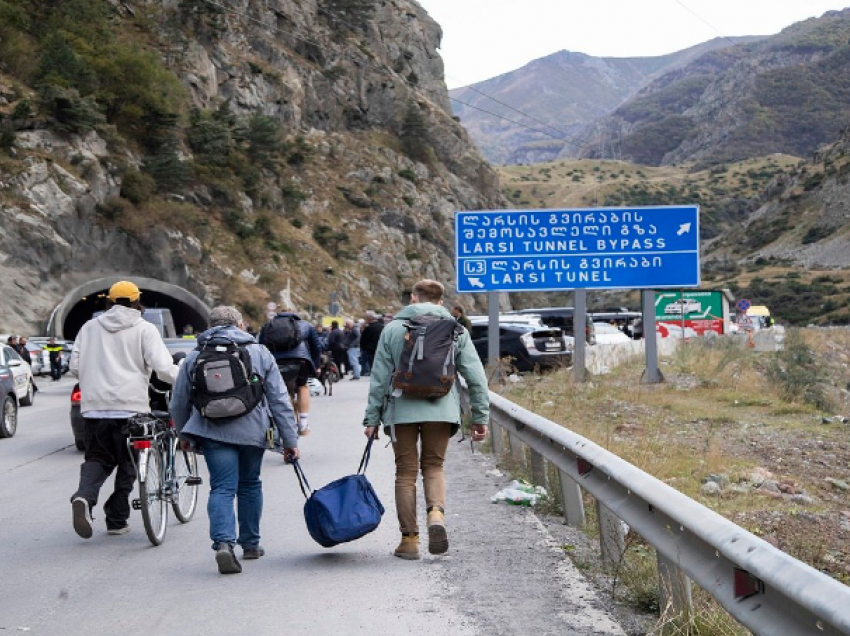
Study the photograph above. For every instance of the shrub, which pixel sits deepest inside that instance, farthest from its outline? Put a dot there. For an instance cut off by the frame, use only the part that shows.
(795, 372)
(414, 134)
(209, 137)
(263, 137)
(137, 187)
(330, 239)
(408, 174)
(68, 111)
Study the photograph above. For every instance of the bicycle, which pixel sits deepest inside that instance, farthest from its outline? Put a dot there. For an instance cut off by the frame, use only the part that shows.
(166, 473)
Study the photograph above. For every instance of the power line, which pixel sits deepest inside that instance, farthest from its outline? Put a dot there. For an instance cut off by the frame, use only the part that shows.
(707, 23)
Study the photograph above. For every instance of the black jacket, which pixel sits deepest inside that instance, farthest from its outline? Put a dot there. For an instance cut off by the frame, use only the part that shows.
(370, 336)
(335, 340)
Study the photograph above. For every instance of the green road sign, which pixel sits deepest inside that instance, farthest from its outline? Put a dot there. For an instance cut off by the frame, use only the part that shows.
(699, 311)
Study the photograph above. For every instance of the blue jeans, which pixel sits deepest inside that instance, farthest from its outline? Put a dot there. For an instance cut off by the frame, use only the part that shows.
(354, 360)
(234, 473)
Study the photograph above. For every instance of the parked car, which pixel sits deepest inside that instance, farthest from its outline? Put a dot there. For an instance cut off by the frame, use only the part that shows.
(562, 318)
(607, 334)
(8, 403)
(21, 375)
(36, 355)
(177, 347)
(529, 347)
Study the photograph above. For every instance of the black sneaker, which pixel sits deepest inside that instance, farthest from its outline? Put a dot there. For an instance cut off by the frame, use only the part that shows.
(226, 559)
(82, 517)
(253, 553)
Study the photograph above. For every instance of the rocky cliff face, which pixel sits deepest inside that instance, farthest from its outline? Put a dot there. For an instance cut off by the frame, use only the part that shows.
(359, 202)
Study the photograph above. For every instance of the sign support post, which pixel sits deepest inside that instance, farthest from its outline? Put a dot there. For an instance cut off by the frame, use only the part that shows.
(493, 336)
(651, 374)
(580, 335)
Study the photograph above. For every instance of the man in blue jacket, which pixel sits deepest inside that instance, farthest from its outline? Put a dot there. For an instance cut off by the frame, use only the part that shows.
(234, 448)
(298, 365)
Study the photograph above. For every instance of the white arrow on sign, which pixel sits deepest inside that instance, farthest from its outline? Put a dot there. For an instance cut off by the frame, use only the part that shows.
(663, 296)
(476, 282)
(684, 228)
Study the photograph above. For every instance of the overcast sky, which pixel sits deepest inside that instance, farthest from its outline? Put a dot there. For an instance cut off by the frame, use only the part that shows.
(485, 38)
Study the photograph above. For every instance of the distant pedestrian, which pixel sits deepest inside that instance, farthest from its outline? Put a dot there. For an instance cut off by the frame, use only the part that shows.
(22, 350)
(369, 340)
(457, 312)
(413, 420)
(54, 352)
(336, 346)
(233, 448)
(297, 364)
(351, 340)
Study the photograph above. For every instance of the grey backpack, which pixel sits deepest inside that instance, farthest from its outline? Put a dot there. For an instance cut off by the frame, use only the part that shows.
(426, 368)
(224, 385)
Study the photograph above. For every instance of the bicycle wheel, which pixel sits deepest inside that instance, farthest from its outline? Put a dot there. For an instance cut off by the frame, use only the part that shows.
(185, 499)
(154, 506)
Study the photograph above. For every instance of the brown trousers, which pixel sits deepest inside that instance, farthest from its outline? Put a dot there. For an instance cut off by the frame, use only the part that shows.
(408, 461)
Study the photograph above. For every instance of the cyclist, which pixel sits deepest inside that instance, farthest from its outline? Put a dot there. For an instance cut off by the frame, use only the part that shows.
(113, 357)
(298, 364)
(233, 448)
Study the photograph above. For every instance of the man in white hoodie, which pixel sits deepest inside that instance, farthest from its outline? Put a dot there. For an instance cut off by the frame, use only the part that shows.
(113, 357)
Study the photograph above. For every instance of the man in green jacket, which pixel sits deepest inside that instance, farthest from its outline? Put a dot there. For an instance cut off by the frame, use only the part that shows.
(434, 421)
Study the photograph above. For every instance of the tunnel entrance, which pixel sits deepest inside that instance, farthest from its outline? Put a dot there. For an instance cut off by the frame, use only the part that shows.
(81, 304)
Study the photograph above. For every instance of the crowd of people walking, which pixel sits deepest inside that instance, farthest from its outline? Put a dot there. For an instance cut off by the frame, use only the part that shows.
(236, 396)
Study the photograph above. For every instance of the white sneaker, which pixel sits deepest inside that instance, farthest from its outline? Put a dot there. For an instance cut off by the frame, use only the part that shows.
(116, 531)
(82, 517)
(304, 432)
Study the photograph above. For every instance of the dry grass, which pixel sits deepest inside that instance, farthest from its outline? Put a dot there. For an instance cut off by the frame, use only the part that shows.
(717, 414)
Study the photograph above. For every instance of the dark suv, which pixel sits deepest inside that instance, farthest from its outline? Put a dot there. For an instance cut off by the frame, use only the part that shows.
(528, 347)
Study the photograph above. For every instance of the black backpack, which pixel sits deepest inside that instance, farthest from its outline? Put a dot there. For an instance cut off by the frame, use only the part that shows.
(426, 368)
(224, 384)
(282, 333)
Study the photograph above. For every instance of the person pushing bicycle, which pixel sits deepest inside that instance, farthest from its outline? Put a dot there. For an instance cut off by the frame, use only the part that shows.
(113, 357)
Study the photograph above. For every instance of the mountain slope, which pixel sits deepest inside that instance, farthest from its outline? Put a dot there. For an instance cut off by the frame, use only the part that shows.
(308, 141)
(567, 90)
(788, 94)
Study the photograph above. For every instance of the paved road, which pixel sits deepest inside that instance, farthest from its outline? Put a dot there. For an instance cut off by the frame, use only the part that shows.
(502, 576)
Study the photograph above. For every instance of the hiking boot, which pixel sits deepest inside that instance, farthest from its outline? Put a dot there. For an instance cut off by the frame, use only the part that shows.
(253, 553)
(226, 559)
(438, 540)
(116, 531)
(82, 517)
(408, 548)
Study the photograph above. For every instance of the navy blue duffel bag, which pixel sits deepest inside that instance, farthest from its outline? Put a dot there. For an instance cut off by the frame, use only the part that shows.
(345, 509)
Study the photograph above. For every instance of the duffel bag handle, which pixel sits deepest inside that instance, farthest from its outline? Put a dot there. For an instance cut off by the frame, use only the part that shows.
(367, 454)
(302, 479)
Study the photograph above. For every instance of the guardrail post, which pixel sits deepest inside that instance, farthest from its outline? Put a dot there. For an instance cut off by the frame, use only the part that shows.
(573, 502)
(538, 470)
(612, 535)
(497, 436)
(517, 449)
(675, 587)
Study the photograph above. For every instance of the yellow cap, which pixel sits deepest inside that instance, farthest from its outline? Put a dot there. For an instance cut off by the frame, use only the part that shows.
(124, 289)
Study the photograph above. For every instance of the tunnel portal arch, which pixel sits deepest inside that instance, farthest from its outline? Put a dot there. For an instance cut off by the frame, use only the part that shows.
(80, 303)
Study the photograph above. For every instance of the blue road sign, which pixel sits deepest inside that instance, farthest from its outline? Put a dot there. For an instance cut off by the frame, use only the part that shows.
(601, 248)
(743, 305)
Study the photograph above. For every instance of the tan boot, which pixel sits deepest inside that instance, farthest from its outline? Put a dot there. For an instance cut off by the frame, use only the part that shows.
(438, 540)
(409, 547)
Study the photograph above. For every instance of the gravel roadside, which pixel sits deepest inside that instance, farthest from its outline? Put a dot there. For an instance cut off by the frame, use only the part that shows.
(505, 570)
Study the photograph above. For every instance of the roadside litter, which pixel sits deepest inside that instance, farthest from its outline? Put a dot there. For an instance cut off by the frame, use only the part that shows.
(520, 493)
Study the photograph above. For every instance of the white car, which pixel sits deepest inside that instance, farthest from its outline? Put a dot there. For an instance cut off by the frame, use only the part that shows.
(608, 334)
(21, 372)
(683, 306)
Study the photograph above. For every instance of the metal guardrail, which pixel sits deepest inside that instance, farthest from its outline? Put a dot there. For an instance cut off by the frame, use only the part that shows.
(765, 589)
